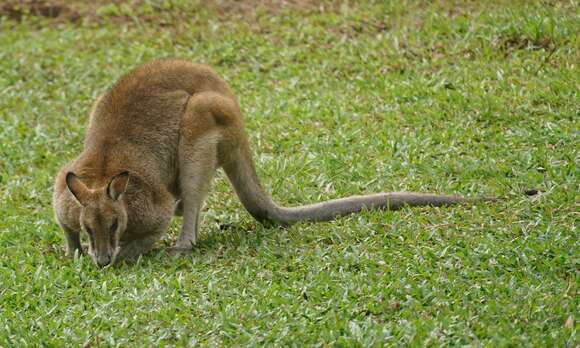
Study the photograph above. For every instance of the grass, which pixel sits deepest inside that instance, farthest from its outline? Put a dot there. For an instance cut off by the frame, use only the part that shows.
(475, 98)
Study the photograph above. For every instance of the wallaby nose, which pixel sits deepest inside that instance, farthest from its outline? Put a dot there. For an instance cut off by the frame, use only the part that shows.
(103, 261)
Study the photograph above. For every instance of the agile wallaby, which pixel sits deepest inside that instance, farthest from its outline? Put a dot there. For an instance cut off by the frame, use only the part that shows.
(154, 141)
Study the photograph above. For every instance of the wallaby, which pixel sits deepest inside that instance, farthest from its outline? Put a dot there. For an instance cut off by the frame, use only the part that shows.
(153, 144)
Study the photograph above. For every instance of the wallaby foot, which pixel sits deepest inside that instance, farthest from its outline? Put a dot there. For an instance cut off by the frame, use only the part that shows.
(185, 242)
(175, 250)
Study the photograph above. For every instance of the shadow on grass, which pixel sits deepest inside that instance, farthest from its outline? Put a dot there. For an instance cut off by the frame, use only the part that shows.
(224, 241)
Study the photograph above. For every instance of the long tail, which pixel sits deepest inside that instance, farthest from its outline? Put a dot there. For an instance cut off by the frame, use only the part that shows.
(260, 205)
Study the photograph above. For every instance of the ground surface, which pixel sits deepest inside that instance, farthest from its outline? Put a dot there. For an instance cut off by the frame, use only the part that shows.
(475, 98)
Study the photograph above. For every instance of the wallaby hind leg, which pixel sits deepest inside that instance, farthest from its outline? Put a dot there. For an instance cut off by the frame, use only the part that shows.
(197, 155)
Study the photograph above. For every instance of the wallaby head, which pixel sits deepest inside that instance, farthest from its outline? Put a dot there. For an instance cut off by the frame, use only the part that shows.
(103, 216)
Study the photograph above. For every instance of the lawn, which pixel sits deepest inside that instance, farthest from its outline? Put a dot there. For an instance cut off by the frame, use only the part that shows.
(474, 98)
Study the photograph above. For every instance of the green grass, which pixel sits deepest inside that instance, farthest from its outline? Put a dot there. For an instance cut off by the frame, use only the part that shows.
(474, 98)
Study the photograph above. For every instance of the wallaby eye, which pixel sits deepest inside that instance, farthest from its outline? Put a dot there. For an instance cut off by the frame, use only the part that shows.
(114, 225)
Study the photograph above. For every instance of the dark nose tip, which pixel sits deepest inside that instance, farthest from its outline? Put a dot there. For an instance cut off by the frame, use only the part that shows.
(103, 261)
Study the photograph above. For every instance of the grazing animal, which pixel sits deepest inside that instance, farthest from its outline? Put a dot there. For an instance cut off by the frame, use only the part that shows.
(154, 141)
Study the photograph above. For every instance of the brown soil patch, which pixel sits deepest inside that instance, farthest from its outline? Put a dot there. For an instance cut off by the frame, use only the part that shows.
(72, 11)
(250, 7)
(17, 9)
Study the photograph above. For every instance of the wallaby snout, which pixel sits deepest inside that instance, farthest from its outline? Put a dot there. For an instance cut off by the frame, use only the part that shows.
(103, 253)
(103, 260)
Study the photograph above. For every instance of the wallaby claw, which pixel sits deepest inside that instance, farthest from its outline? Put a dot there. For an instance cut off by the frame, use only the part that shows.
(70, 254)
(178, 250)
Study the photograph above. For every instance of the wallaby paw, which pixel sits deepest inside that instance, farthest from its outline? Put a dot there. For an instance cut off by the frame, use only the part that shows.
(185, 243)
(70, 254)
(182, 246)
(178, 250)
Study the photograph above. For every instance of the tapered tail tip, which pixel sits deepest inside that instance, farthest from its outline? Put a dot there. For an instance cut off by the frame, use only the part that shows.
(489, 199)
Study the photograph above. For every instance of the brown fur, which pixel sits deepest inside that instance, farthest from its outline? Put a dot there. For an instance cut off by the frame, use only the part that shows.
(156, 138)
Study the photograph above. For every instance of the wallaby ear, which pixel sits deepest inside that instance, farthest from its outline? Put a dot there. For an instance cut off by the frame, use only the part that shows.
(118, 185)
(79, 191)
